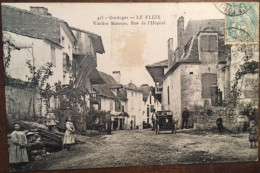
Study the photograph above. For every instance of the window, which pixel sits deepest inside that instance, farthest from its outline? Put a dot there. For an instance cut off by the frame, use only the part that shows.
(66, 61)
(132, 93)
(191, 72)
(208, 43)
(53, 57)
(150, 99)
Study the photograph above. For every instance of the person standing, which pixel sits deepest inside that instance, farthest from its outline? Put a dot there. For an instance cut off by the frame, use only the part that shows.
(69, 138)
(220, 125)
(253, 133)
(185, 117)
(17, 151)
(153, 118)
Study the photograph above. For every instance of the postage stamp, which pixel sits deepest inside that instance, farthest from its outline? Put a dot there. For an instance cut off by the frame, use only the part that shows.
(241, 22)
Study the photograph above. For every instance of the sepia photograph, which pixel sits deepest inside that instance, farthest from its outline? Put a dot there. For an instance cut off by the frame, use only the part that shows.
(101, 85)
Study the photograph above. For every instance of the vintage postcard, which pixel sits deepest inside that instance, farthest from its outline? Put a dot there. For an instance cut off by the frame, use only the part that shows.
(98, 85)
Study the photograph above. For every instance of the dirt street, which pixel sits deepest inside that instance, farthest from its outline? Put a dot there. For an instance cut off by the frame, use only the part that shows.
(144, 147)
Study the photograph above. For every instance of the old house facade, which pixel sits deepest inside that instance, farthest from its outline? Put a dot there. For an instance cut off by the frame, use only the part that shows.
(192, 67)
(40, 38)
(84, 61)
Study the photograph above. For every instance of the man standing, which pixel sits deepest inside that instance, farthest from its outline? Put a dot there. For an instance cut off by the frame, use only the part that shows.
(220, 125)
(185, 117)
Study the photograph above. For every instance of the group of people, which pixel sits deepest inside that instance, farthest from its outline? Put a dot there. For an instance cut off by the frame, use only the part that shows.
(18, 155)
(52, 121)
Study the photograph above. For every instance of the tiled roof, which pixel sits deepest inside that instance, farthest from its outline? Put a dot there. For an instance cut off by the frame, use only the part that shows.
(108, 79)
(104, 90)
(32, 25)
(132, 86)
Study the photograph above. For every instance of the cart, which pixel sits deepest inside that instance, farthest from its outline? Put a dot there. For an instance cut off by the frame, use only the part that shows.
(165, 122)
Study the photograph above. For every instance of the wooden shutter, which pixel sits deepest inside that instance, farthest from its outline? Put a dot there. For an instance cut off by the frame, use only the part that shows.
(207, 79)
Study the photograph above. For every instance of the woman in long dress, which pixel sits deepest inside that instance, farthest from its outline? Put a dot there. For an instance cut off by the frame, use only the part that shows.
(69, 138)
(17, 150)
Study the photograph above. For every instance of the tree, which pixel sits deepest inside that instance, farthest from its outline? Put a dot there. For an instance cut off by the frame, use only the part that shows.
(38, 79)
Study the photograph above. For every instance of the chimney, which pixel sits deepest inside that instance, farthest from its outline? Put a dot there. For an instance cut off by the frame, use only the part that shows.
(170, 52)
(180, 30)
(40, 11)
(117, 76)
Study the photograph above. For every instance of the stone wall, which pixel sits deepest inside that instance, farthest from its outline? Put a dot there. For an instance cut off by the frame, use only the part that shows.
(18, 102)
(208, 122)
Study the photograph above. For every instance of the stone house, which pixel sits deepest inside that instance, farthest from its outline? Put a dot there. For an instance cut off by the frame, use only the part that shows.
(186, 78)
(41, 38)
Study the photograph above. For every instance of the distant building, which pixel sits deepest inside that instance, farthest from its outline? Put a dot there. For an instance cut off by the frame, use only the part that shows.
(150, 103)
(112, 97)
(134, 106)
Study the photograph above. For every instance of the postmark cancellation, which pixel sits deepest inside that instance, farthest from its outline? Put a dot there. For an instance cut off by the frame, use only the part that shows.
(241, 22)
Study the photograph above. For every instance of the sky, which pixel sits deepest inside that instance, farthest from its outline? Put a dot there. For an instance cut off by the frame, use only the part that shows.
(130, 48)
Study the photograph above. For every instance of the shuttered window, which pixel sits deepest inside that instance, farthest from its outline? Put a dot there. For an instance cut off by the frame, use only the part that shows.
(208, 43)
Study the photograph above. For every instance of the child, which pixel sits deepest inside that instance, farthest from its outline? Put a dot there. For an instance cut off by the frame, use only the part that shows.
(252, 133)
(69, 139)
(51, 120)
(17, 151)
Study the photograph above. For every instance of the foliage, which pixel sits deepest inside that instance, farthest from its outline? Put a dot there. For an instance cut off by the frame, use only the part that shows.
(8, 46)
(93, 115)
(46, 93)
(249, 67)
(251, 112)
(39, 75)
(74, 96)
